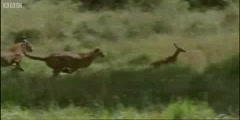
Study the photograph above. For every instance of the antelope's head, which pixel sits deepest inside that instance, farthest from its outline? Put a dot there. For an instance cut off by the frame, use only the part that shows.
(97, 52)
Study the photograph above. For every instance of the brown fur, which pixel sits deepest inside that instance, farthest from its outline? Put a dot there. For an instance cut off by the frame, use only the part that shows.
(68, 62)
(13, 55)
(170, 59)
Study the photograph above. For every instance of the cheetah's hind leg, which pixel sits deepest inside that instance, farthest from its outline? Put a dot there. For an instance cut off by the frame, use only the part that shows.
(67, 70)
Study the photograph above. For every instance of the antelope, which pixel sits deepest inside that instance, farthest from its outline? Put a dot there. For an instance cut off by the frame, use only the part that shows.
(13, 55)
(68, 62)
(170, 59)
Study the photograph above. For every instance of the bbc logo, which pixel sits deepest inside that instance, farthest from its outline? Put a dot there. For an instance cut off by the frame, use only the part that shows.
(12, 5)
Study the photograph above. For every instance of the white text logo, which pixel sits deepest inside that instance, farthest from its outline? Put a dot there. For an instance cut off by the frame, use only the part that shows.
(12, 5)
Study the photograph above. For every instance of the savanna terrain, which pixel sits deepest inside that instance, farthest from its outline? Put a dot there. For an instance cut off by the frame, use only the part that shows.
(203, 83)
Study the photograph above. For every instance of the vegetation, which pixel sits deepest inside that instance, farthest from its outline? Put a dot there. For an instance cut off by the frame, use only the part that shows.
(204, 83)
(183, 109)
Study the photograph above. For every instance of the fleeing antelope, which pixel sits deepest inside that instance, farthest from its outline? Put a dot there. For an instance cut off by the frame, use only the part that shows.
(170, 59)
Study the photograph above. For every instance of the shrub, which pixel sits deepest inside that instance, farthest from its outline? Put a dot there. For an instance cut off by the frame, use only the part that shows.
(185, 109)
(223, 78)
(32, 35)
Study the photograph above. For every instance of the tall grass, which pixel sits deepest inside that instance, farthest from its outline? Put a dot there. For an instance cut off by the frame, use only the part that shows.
(183, 109)
(132, 87)
(63, 20)
(132, 38)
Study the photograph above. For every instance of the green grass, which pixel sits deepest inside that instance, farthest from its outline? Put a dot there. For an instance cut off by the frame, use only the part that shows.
(122, 85)
(182, 109)
(132, 86)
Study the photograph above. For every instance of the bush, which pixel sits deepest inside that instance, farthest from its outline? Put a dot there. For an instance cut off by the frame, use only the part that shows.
(201, 28)
(97, 5)
(185, 109)
(223, 78)
(147, 5)
(32, 35)
(162, 27)
(203, 4)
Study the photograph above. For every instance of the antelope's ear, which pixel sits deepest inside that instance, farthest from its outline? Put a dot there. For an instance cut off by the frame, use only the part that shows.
(175, 45)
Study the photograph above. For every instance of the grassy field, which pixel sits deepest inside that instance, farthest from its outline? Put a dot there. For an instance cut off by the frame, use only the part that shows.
(183, 109)
(204, 83)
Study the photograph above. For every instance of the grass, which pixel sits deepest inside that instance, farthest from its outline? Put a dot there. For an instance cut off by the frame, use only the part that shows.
(122, 85)
(182, 109)
(136, 87)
